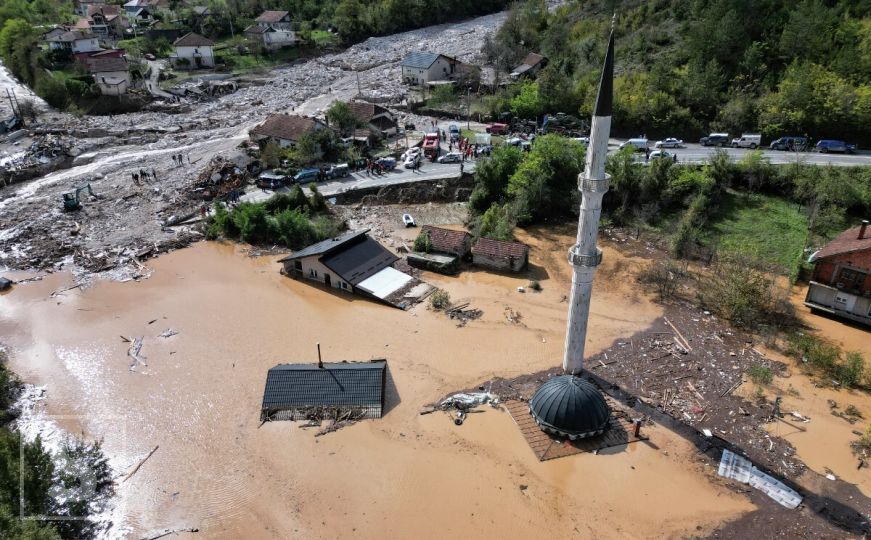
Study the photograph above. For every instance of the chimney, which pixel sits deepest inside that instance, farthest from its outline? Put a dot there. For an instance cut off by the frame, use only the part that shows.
(320, 362)
(862, 229)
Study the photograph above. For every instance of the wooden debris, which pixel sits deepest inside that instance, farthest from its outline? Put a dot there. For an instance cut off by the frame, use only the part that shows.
(676, 331)
(135, 470)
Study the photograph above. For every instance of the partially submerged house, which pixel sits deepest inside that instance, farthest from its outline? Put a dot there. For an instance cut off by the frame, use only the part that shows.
(841, 281)
(112, 74)
(194, 51)
(500, 254)
(284, 129)
(448, 241)
(420, 68)
(355, 263)
(326, 390)
(272, 30)
(532, 64)
(376, 118)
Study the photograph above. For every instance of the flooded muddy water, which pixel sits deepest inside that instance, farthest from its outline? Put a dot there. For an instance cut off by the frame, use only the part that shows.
(197, 396)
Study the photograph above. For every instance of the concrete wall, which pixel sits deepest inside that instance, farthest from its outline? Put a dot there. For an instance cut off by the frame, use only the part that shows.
(109, 88)
(314, 270)
(512, 265)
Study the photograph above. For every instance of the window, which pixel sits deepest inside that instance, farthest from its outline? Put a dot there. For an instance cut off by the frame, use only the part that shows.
(851, 279)
(297, 265)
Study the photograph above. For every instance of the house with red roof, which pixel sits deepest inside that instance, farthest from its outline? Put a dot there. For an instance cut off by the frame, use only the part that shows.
(841, 281)
(500, 254)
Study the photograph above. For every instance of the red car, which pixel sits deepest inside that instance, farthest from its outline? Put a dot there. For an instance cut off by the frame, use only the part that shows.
(497, 129)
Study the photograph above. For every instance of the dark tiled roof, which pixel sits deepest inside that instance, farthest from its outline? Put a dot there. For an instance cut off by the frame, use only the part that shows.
(285, 126)
(104, 9)
(499, 249)
(419, 60)
(446, 240)
(532, 59)
(339, 384)
(846, 242)
(271, 16)
(365, 110)
(326, 246)
(103, 65)
(193, 40)
(359, 260)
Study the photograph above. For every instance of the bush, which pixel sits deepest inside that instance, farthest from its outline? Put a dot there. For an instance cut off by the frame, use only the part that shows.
(497, 222)
(665, 275)
(440, 300)
(535, 285)
(760, 374)
(317, 201)
(423, 243)
(825, 358)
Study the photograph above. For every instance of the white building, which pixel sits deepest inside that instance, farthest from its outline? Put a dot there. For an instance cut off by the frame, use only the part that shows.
(420, 68)
(74, 41)
(272, 30)
(193, 51)
(112, 75)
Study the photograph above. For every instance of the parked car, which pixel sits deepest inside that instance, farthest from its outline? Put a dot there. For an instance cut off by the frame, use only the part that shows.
(583, 140)
(271, 180)
(388, 163)
(411, 161)
(453, 157)
(338, 171)
(793, 144)
(660, 154)
(497, 129)
(637, 144)
(408, 220)
(307, 175)
(715, 139)
(669, 142)
(454, 132)
(748, 140)
(829, 145)
(413, 151)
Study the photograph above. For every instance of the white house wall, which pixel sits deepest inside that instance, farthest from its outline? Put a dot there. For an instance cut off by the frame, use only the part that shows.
(315, 270)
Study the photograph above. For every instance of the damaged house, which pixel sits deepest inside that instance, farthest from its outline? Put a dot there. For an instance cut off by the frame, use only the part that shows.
(284, 129)
(111, 74)
(375, 118)
(532, 64)
(194, 51)
(446, 248)
(500, 254)
(841, 281)
(331, 390)
(355, 263)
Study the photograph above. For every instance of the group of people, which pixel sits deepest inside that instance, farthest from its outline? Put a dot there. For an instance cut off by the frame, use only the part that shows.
(374, 167)
(178, 159)
(142, 175)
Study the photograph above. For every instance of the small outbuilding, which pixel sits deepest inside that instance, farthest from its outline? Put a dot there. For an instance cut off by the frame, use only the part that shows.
(500, 254)
(530, 67)
(448, 241)
(330, 390)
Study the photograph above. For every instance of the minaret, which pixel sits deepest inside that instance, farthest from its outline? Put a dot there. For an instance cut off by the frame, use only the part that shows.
(585, 256)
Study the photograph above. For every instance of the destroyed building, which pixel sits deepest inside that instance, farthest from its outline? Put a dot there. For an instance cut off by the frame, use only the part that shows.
(326, 390)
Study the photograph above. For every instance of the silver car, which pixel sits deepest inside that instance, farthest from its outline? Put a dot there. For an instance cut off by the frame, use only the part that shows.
(670, 142)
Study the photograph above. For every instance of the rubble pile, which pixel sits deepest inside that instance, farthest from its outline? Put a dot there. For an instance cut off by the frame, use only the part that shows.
(217, 180)
(44, 154)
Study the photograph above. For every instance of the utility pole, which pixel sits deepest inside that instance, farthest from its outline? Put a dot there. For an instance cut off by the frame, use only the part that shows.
(359, 89)
(469, 108)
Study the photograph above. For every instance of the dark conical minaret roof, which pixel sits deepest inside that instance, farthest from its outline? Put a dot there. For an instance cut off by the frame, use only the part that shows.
(604, 100)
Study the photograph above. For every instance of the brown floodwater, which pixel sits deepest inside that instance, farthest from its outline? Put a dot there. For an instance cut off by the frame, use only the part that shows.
(405, 475)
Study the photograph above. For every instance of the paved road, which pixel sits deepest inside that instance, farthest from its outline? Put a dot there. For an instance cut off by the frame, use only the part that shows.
(694, 153)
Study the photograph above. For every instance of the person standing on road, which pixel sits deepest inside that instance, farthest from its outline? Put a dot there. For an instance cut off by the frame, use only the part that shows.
(461, 169)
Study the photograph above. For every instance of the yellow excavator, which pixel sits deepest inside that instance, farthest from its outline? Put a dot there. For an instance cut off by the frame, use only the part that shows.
(71, 199)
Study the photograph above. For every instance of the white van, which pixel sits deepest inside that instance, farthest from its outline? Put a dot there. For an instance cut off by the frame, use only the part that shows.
(639, 144)
(748, 140)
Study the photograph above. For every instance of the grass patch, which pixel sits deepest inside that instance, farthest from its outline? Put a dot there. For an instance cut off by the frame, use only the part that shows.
(772, 229)
(760, 374)
(322, 38)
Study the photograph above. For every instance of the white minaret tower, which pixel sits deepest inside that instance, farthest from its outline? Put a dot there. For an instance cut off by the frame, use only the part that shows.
(585, 256)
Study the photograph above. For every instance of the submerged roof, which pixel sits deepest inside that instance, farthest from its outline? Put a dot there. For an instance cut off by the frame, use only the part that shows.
(500, 249)
(326, 246)
(337, 384)
(846, 242)
(447, 240)
(570, 407)
(420, 60)
(359, 260)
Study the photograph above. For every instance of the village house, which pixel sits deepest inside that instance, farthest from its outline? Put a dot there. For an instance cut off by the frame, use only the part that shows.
(284, 129)
(352, 262)
(272, 30)
(82, 6)
(73, 41)
(334, 389)
(376, 118)
(194, 51)
(841, 281)
(448, 241)
(532, 64)
(106, 21)
(111, 74)
(420, 68)
(500, 254)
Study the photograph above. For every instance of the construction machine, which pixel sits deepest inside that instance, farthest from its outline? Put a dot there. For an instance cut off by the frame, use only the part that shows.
(71, 199)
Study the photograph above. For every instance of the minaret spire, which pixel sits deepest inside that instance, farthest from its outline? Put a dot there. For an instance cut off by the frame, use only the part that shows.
(585, 256)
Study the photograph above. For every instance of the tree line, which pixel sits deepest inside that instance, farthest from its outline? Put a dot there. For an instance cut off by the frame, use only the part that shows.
(688, 67)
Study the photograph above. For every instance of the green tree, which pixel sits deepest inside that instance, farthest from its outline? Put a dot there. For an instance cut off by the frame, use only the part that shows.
(308, 149)
(491, 177)
(528, 103)
(342, 118)
(272, 154)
